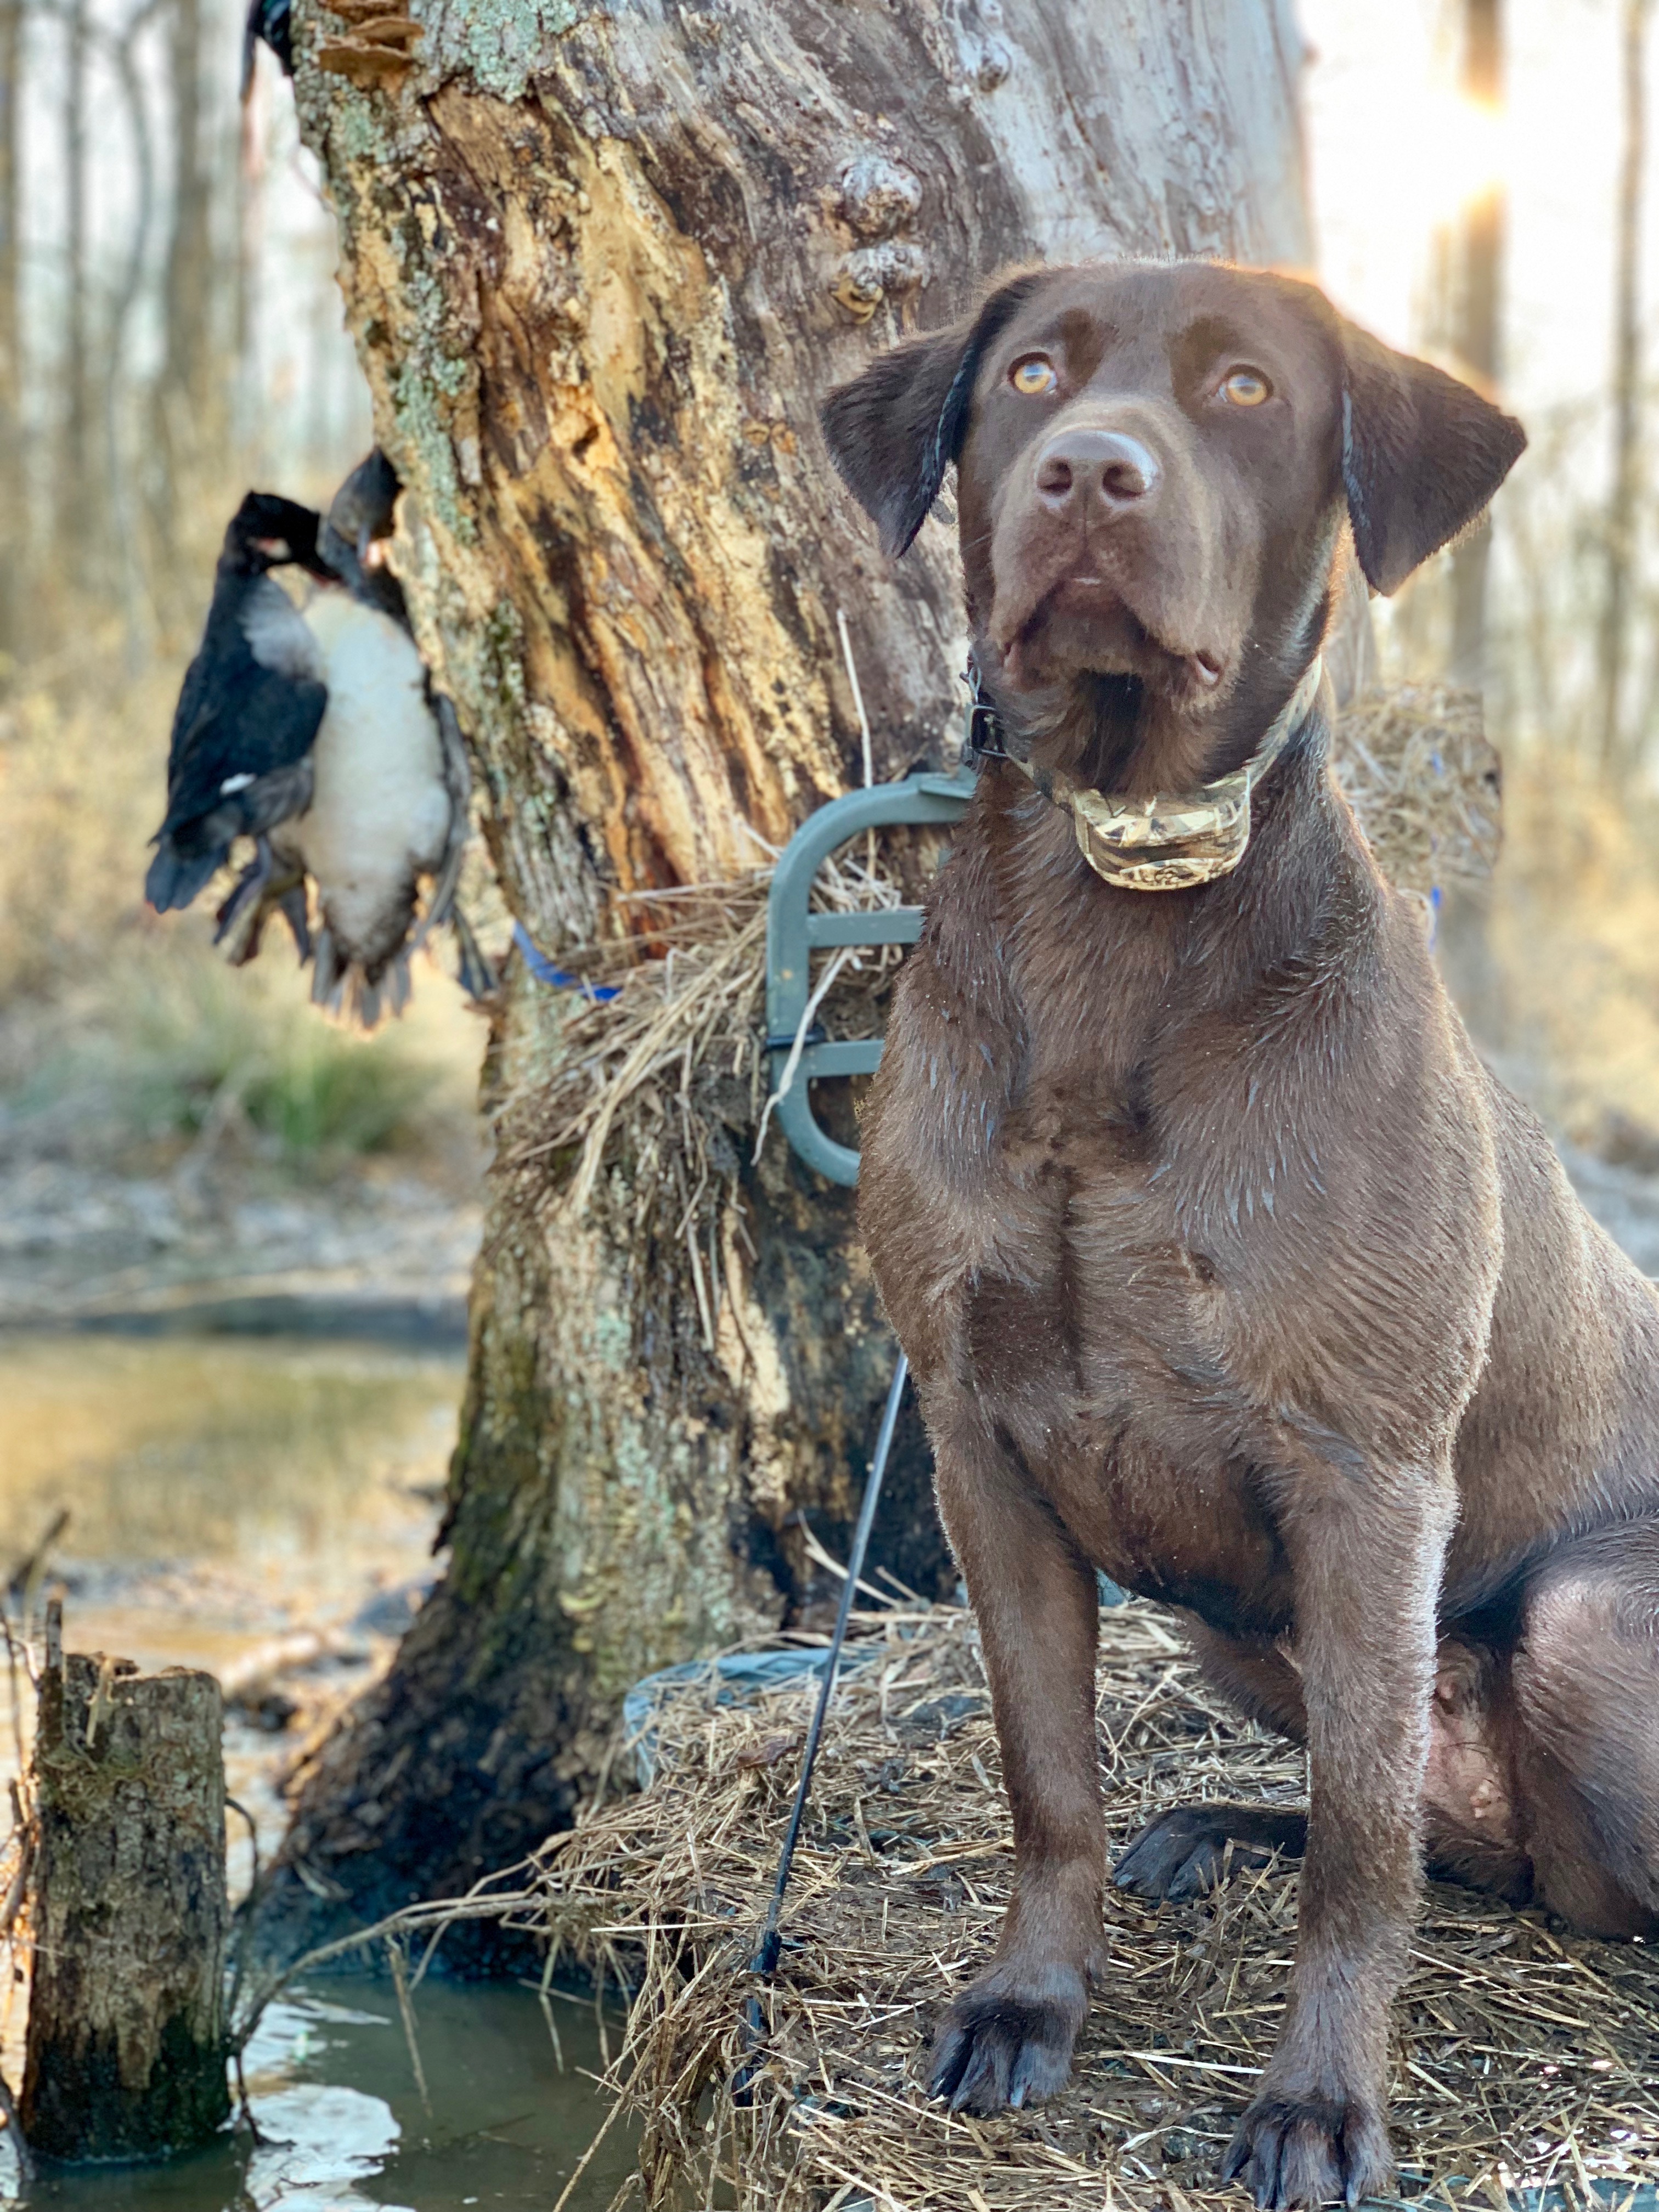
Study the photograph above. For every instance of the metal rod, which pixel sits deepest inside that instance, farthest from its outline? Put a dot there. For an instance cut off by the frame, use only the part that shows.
(771, 1944)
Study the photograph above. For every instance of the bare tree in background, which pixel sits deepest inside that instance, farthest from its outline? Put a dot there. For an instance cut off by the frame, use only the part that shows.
(13, 531)
(1476, 325)
(192, 392)
(1439, 625)
(74, 517)
(1623, 500)
(1471, 312)
(126, 322)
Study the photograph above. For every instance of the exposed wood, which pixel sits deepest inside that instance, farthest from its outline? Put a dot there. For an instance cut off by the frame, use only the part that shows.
(126, 2043)
(602, 267)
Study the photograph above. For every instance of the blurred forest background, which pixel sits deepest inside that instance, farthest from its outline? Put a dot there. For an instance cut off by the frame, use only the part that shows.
(170, 333)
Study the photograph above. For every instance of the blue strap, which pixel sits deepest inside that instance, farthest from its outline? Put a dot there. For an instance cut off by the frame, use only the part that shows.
(544, 971)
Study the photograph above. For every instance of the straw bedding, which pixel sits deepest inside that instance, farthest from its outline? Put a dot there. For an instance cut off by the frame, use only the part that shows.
(1525, 2057)
(1424, 783)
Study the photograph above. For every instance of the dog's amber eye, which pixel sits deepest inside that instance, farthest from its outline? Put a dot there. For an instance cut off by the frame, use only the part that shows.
(1246, 387)
(1033, 376)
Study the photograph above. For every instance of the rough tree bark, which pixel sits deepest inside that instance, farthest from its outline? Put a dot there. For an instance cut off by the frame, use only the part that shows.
(601, 266)
(126, 2030)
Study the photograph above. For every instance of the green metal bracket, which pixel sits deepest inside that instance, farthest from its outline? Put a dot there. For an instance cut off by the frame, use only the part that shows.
(794, 933)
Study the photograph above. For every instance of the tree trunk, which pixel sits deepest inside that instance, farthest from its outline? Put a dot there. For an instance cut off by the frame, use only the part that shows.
(75, 517)
(602, 267)
(193, 387)
(126, 2033)
(1463, 940)
(1624, 499)
(1476, 327)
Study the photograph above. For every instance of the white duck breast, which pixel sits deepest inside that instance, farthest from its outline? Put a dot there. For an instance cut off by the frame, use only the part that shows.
(277, 634)
(379, 817)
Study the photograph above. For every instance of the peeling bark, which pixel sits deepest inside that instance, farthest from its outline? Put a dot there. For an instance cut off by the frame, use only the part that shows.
(601, 267)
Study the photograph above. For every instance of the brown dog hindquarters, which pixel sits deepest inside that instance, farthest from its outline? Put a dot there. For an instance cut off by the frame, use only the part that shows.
(1542, 1782)
(1222, 1264)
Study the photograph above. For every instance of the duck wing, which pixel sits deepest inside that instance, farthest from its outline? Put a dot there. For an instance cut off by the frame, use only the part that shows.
(248, 715)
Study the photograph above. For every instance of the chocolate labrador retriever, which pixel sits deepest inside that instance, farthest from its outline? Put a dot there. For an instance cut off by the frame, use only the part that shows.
(1224, 1264)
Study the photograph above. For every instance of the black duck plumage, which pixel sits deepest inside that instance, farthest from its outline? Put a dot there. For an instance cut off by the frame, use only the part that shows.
(248, 713)
(273, 22)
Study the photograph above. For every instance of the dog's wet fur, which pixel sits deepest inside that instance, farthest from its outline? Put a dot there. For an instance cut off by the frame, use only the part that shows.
(1222, 1263)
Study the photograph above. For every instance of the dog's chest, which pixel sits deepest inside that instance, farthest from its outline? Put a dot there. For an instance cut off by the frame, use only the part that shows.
(1096, 1290)
(1092, 1287)
(1129, 1377)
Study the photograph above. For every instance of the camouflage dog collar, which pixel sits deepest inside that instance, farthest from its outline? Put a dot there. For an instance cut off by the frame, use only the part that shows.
(1170, 841)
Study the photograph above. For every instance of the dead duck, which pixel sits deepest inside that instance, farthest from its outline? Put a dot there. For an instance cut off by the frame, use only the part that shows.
(389, 806)
(366, 798)
(239, 762)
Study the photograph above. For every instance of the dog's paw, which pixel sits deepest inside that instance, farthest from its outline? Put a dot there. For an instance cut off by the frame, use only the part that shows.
(1008, 2039)
(1183, 1853)
(1296, 2151)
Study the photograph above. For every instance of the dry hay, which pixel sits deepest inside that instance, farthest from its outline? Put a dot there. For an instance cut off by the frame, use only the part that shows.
(689, 1018)
(1427, 786)
(1524, 2058)
(672, 1068)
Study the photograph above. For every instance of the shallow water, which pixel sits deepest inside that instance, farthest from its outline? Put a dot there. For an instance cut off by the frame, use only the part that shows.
(333, 2090)
(238, 1503)
(266, 1452)
(266, 1506)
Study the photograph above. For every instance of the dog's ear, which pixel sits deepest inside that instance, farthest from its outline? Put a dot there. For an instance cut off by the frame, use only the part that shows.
(1422, 455)
(893, 430)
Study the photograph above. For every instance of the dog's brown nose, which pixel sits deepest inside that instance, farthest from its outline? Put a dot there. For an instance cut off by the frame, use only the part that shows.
(1084, 464)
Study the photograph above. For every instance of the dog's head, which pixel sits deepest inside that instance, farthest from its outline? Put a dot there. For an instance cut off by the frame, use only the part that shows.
(1156, 465)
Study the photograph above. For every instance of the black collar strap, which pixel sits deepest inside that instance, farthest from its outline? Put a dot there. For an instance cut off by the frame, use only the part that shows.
(1171, 842)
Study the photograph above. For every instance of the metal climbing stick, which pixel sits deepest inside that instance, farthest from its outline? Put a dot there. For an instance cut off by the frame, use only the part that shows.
(794, 933)
(771, 1943)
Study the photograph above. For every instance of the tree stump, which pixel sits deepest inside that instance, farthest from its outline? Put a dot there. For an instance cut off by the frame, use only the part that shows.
(127, 2031)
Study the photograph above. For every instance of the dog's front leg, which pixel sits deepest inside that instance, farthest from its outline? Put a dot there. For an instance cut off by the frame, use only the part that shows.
(1366, 1546)
(1008, 2037)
